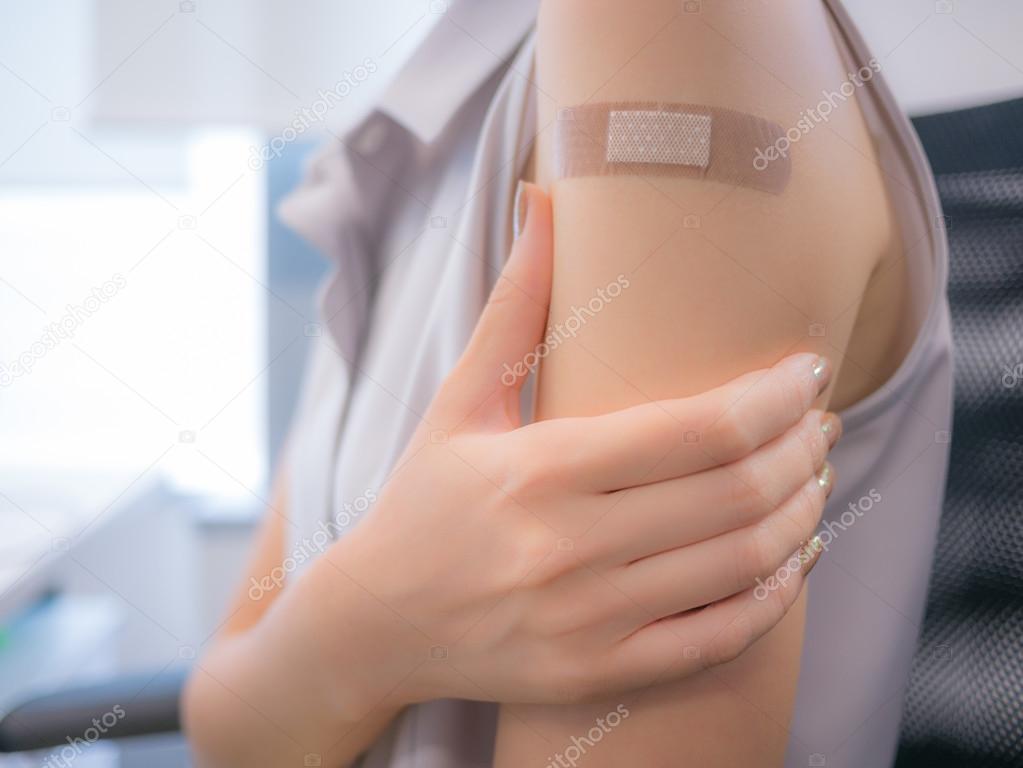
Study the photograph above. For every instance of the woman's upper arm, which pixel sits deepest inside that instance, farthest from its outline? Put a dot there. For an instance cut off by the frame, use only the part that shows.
(722, 278)
(678, 284)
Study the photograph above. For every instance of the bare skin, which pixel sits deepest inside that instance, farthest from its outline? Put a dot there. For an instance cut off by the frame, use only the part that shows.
(744, 284)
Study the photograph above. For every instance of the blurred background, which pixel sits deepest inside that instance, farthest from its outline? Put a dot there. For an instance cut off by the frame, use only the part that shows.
(154, 314)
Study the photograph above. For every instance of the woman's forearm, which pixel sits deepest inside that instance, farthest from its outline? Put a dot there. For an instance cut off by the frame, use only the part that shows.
(314, 677)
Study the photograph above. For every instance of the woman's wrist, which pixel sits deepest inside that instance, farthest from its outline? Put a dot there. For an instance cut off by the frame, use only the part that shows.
(372, 657)
(323, 667)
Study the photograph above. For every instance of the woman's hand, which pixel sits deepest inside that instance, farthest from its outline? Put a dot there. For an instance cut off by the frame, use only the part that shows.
(564, 559)
(540, 563)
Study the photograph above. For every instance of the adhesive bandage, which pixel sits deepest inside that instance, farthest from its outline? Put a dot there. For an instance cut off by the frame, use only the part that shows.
(657, 139)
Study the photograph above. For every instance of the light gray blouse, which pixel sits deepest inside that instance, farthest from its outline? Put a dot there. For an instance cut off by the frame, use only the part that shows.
(413, 209)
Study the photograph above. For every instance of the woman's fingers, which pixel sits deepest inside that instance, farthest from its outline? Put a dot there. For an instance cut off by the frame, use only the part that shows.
(683, 644)
(670, 438)
(650, 519)
(729, 564)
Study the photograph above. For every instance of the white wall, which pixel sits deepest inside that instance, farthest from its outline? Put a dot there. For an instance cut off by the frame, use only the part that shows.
(936, 60)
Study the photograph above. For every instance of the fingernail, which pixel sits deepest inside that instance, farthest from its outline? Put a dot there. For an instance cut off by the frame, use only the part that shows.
(811, 552)
(519, 214)
(831, 426)
(822, 372)
(825, 477)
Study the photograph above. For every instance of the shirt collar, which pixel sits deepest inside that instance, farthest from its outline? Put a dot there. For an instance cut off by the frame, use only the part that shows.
(470, 40)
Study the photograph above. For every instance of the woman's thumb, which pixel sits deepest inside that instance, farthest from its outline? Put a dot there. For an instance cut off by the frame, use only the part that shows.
(502, 349)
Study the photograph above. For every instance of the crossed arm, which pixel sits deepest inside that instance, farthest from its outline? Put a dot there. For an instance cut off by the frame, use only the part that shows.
(324, 666)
